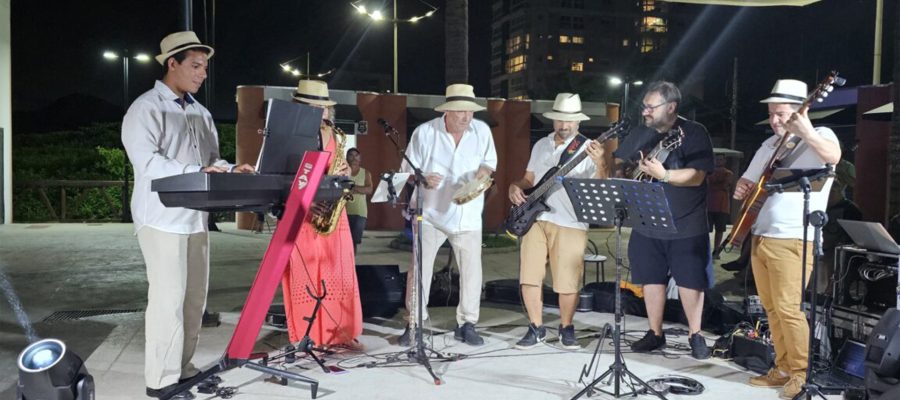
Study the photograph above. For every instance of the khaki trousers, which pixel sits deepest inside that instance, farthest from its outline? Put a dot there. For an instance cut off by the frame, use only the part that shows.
(177, 276)
(777, 271)
(467, 252)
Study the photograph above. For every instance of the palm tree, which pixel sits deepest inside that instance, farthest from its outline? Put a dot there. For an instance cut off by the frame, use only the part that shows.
(456, 39)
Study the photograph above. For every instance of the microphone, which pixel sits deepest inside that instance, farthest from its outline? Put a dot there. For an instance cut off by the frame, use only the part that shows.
(388, 129)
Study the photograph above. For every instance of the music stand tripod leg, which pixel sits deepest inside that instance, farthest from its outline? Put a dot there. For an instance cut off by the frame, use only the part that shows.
(618, 369)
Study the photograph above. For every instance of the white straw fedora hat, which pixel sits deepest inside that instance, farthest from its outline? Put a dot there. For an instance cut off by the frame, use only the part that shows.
(566, 107)
(787, 91)
(178, 41)
(313, 92)
(460, 97)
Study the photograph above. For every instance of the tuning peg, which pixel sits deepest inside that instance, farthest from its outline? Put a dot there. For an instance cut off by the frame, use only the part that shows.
(819, 100)
(829, 88)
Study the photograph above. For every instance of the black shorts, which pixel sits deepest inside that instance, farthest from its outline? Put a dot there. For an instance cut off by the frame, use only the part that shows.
(687, 260)
(718, 220)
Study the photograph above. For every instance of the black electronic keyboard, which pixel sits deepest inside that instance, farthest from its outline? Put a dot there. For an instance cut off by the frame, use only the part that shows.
(236, 192)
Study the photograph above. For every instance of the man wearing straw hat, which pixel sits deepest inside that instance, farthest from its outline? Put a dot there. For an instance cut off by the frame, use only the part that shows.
(776, 254)
(557, 235)
(451, 150)
(167, 132)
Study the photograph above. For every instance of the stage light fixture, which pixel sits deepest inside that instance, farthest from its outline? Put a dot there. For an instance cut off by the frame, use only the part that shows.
(47, 371)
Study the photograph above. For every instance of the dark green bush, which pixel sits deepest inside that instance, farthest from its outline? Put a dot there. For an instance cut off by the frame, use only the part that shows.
(93, 152)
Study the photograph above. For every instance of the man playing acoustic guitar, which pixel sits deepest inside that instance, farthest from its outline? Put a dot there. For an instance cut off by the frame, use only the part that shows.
(777, 244)
(685, 255)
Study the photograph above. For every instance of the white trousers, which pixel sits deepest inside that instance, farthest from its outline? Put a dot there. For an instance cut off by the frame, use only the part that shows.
(177, 276)
(467, 252)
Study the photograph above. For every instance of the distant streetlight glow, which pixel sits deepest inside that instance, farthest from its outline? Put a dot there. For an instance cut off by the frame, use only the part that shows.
(142, 57)
(286, 67)
(109, 55)
(638, 83)
(378, 16)
(615, 81)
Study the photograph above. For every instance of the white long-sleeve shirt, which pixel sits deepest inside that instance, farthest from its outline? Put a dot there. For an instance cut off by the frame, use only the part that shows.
(433, 150)
(162, 139)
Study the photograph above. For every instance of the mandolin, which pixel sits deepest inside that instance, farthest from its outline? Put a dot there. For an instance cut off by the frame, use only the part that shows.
(660, 152)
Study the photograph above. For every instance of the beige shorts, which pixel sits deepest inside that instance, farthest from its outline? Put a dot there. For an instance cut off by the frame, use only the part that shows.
(562, 246)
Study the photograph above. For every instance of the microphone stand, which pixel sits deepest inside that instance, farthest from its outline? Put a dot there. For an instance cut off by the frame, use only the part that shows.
(817, 219)
(417, 354)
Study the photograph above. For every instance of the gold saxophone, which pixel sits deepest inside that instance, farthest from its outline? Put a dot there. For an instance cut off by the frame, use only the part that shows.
(326, 223)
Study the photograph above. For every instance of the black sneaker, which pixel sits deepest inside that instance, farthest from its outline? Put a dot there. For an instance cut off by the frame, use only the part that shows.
(185, 395)
(649, 343)
(699, 350)
(466, 333)
(567, 337)
(534, 336)
(211, 380)
(407, 337)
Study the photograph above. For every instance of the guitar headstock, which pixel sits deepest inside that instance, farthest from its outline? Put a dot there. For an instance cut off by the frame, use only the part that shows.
(824, 88)
(619, 127)
(673, 139)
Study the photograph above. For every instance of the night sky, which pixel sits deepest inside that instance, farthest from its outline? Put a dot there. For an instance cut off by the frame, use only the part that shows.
(58, 45)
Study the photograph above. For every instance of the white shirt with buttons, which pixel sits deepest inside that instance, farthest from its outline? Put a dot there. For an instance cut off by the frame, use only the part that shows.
(163, 138)
(433, 150)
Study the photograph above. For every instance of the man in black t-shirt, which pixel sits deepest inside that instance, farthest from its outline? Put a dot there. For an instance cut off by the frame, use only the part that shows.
(685, 255)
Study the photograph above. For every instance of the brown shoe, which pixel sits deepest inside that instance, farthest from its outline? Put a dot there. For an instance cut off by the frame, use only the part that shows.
(774, 378)
(793, 386)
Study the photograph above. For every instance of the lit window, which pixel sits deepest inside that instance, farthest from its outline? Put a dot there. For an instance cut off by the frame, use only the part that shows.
(647, 45)
(590, 59)
(578, 66)
(625, 43)
(513, 44)
(653, 24)
(564, 39)
(527, 40)
(578, 39)
(648, 5)
(515, 64)
(549, 57)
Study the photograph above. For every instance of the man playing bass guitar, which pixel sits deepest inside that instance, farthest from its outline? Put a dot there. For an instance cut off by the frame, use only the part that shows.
(777, 243)
(557, 235)
(685, 255)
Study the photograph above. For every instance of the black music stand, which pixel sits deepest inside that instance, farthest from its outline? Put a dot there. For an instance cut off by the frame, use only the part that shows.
(807, 181)
(624, 203)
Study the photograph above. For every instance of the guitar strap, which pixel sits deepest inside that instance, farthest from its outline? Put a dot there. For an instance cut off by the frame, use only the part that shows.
(571, 149)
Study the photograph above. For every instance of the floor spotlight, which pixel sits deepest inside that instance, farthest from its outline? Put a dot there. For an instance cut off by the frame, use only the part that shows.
(48, 372)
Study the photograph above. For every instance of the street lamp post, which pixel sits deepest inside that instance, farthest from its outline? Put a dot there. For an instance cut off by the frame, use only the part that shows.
(142, 58)
(378, 16)
(286, 66)
(616, 81)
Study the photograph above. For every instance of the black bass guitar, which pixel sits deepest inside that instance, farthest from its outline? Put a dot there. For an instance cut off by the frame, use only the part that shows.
(521, 217)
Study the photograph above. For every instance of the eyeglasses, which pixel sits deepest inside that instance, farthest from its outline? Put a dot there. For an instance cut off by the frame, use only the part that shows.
(645, 107)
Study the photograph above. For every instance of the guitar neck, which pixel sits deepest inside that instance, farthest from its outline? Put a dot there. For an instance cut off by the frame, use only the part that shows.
(548, 180)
